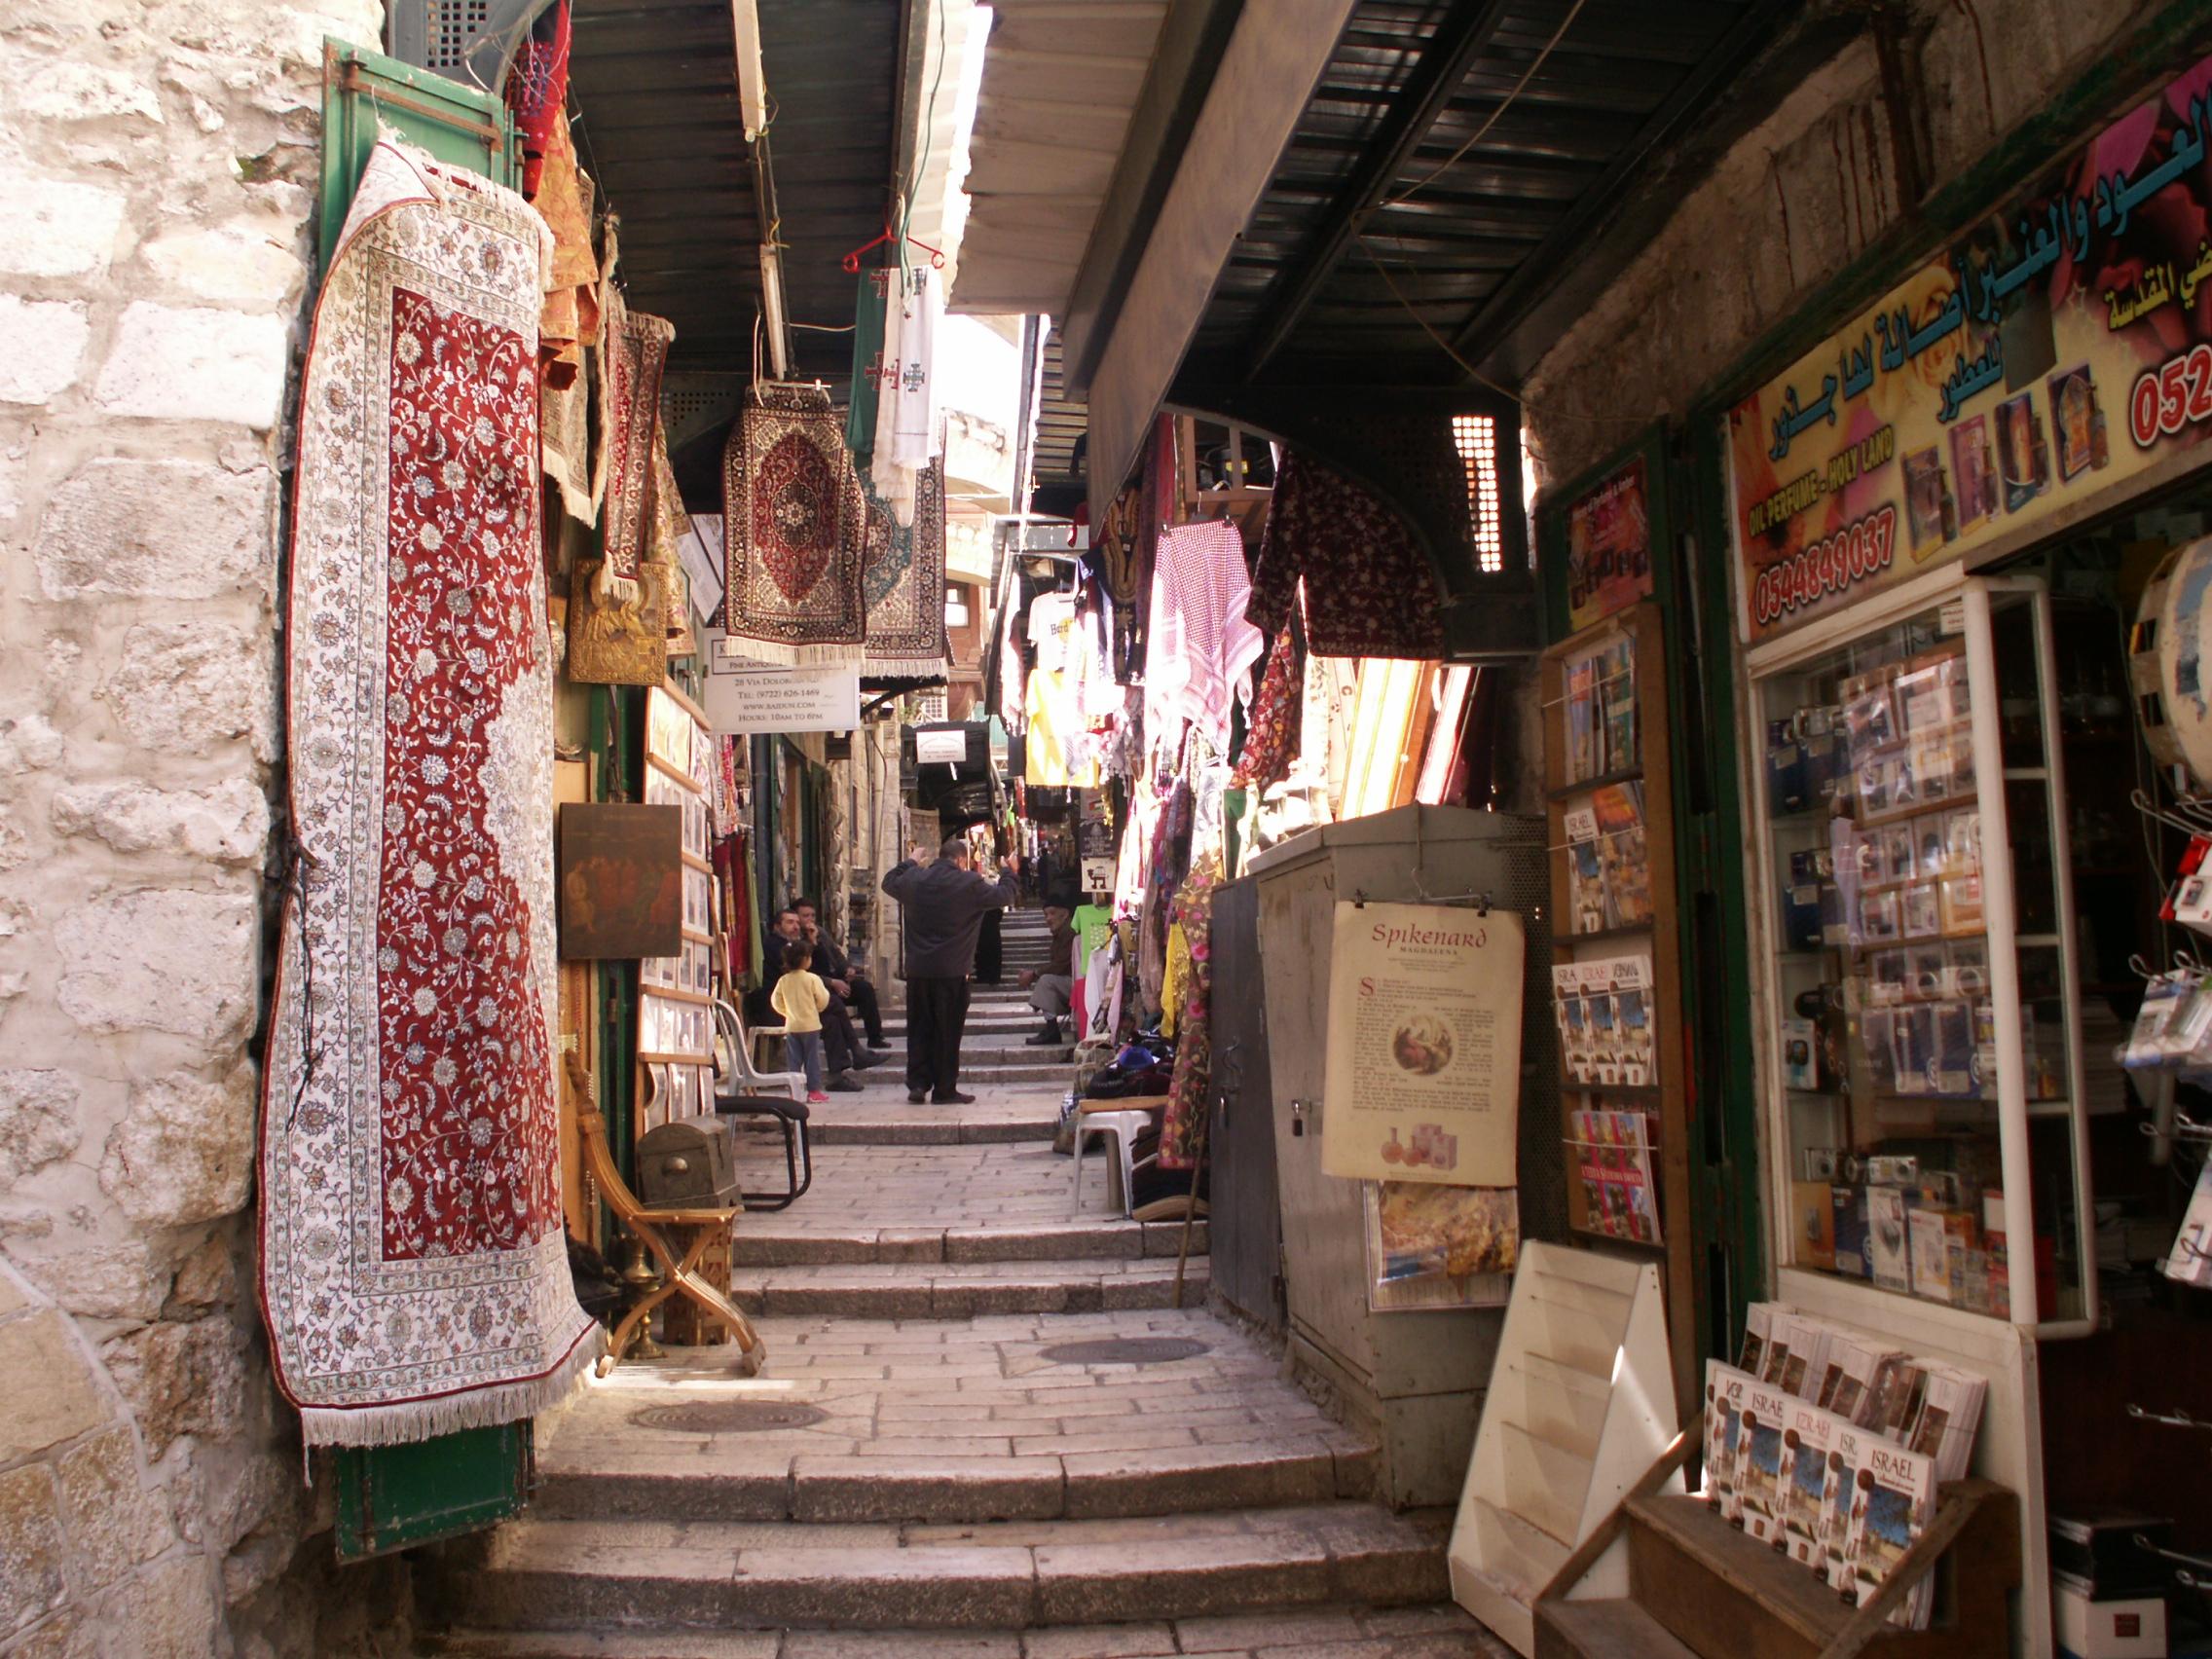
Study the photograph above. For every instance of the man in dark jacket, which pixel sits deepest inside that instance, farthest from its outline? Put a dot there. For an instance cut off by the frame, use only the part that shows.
(944, 904)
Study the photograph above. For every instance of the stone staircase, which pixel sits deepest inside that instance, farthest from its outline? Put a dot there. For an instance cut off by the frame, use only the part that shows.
(983, 1432)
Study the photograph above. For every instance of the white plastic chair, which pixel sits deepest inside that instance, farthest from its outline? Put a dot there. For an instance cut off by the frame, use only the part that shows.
(732, 1038)
(1122, 1129)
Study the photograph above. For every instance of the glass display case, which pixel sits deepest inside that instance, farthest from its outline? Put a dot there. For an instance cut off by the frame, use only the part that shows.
(1925, 1070)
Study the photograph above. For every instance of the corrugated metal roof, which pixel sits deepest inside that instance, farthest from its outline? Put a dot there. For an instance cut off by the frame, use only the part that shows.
(661, 130)
(1060, 78)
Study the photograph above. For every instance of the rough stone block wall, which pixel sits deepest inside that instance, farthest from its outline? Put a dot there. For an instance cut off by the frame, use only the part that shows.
(157, 174)
(1791, 203)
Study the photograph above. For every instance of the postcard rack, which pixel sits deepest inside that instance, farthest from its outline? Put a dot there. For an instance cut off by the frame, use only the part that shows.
(1617, 1003)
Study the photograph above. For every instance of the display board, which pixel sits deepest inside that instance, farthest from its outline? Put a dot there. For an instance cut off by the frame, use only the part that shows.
(1616, 990)
(675, 1017)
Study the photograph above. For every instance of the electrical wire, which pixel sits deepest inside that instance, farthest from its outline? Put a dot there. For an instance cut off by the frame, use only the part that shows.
(1483, 132)
(922, 161)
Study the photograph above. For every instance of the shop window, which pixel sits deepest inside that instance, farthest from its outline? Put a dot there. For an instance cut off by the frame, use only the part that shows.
(1474, 437)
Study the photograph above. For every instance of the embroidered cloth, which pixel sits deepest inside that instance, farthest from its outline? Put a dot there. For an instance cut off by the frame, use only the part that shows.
(1183, 1124)
(796, 524)
(414, 1272)
(634, 352)
(1368, 589)
(537, 89)
(1200, 645)
(1270, 743)
(903, 585)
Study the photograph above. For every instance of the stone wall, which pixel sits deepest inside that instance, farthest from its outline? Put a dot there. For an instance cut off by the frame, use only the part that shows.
(1792, 203)
(158, 172)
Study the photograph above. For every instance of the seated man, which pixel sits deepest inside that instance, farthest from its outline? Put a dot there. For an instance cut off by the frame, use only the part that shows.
(845, 976)
(845, 1054)
(1051, 989)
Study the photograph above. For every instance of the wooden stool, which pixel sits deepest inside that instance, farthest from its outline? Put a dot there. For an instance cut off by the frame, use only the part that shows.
(682, 1271)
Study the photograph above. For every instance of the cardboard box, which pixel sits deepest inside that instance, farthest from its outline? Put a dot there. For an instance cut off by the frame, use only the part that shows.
(1813, 1223)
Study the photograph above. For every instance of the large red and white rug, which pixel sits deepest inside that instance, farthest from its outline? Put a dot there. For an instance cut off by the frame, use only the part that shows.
(414, 1274)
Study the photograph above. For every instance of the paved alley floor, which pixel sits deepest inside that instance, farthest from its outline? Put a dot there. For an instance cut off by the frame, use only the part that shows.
(984, 1431)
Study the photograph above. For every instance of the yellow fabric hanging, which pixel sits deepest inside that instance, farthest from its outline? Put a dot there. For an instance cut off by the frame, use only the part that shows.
(1178, 976)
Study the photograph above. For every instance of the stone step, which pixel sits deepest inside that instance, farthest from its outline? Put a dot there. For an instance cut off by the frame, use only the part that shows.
(1010, 1575)
(844, 1489)
(771, 1242)
(1438, 1631)
(964, 1289)
(893, 1073)
(865, 1128)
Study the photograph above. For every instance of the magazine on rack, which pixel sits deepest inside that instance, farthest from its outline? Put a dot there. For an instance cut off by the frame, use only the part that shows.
(1759, 1473)
(1808, 1436)
(1855, 1369)
(1876, 1502)
(1725, 1389)
(1950, 1413)
(1758, 1325)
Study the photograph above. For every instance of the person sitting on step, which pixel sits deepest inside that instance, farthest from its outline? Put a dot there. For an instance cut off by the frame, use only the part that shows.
(1051, 989)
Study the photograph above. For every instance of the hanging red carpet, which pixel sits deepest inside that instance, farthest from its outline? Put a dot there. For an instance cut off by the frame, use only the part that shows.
(634, 355)
(414, 1271)
(796, 525)
(903, 585)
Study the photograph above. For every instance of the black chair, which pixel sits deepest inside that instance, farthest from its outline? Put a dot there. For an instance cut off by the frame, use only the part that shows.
(740, 1091)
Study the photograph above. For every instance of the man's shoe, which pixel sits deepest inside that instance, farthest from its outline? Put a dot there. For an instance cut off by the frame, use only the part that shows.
(878, 1048)
(1048, 1038)
(868, 1057)
(916, 1096)
(956, 1098)
(844, 1083)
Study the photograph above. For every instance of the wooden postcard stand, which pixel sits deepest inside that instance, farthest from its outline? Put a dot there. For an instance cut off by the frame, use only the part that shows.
(1580, 1406)
(1662, 1096)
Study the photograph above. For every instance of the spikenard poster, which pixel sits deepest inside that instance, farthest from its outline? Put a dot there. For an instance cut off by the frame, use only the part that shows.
(1423, 1079)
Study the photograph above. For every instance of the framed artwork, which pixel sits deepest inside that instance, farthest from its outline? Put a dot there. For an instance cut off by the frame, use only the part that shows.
(621, 874)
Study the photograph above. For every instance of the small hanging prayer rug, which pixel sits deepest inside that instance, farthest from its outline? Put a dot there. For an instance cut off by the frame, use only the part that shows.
(635, 351)
(902, 580)
(795, 523)
(414, 1271)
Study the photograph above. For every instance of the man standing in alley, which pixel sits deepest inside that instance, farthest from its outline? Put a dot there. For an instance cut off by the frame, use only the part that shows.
(945, 904)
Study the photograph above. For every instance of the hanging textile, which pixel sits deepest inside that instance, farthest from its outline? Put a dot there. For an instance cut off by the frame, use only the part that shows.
(536, 89)
(1272, 738)
(1184, 1122)
(414, 1270)
(1368, 589)
(796, 525)
(634, 352)
(903, 585)
(868, 367)
(908, 431)
(669, 525)
(1199, 647)
(1059, 751)
(569, 320)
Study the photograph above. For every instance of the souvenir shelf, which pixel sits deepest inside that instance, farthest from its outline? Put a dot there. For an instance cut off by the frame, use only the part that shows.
(1616, 998)
(1580, 1405)
(1926, 1072)
(675, 1017)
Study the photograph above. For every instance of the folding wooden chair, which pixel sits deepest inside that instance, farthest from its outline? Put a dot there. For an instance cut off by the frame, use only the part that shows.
(680, 1274)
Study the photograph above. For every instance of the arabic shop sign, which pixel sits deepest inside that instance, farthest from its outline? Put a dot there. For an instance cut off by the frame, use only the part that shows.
(1976, 396)
(1609, 548)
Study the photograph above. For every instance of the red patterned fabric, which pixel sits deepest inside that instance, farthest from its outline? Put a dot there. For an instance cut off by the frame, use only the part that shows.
(795, 531)
(537, 90)
(635, 354)
(413, 1274)
(1270, 743)
(1368, 589)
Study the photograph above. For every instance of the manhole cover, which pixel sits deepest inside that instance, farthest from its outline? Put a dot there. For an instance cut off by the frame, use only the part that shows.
(1124, 1350)
(726, 1416)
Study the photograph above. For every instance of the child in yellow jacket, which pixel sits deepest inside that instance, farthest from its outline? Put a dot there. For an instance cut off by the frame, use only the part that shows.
(799, 997)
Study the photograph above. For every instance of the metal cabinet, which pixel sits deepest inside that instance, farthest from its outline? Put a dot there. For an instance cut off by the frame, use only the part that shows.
(1416, 1379)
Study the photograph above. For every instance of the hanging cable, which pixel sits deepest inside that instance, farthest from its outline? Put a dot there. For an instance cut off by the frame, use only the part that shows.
(1483, 132)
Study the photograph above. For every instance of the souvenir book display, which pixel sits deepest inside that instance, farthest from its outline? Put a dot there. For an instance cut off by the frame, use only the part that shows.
(676, 1016)
(1923, 988)
(1829, 1446)
(1615, 983)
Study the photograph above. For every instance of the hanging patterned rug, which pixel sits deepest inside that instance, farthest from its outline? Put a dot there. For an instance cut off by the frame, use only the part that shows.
(635, 352)
(903, 583)
(414, 1272)
(795, 523)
